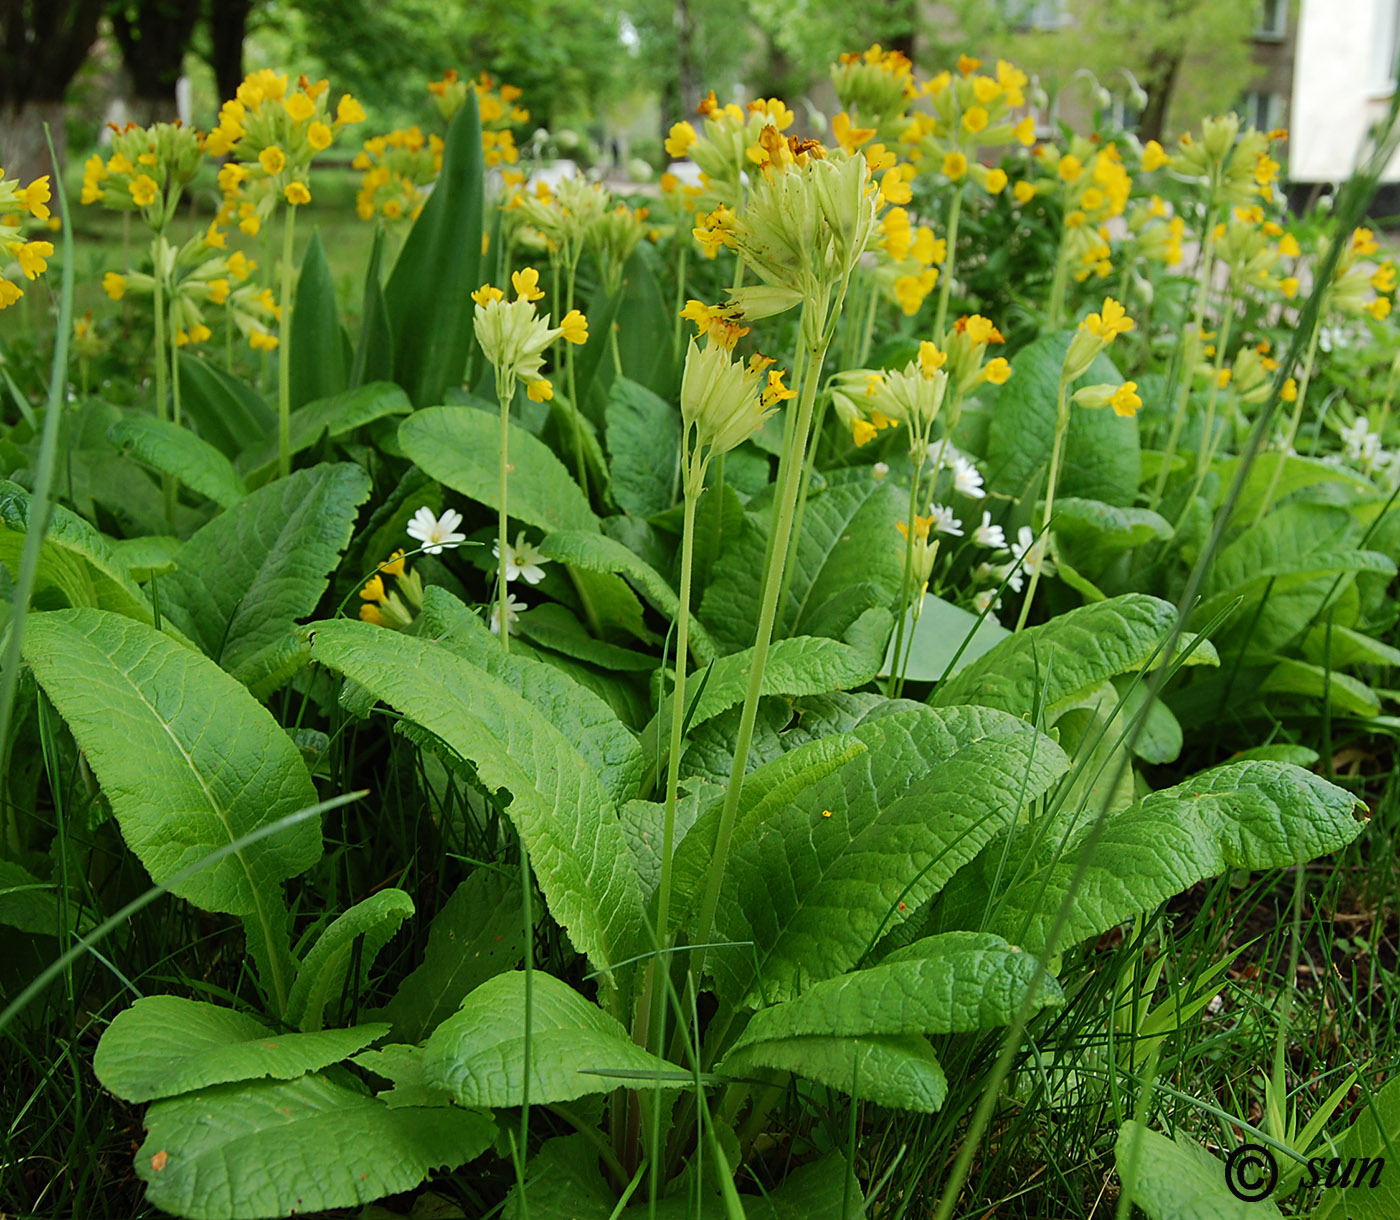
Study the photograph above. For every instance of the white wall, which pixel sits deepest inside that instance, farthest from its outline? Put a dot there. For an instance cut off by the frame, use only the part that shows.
(1340, 85)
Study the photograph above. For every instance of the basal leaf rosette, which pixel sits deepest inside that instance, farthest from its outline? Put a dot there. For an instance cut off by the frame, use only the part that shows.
(19, 205)
(272, 133)
(147, 171)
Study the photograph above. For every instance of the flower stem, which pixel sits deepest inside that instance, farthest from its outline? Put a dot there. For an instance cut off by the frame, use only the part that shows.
(574, 408)
(1297, 417)
(505, 391)
(284, 363)
(161, 356)
(949, 264)
(1051, 481)
(905, 592)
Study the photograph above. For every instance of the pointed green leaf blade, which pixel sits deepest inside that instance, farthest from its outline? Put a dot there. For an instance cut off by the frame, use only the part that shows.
(1179, 1180)
(317, 352)
(170, 449)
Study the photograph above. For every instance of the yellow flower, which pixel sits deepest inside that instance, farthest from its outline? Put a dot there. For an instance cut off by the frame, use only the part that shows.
(1024, 192)
(260, 342)
(299, 106)
(249, 225)
(847, 135)
(1222, 378)
(998, 371)
(369, 612)
(1153, 156)
(526, 284)
(1125, 401)
(35, 197)
(1109, 324)
(349, 111)
(975, 119)
(863, 432)
(775, 391)
(486, 294)
(681, 138)
(1288, 246)
(1289, 393)
(199, 333)
(1378, 309)
(114, 285)
(272, 159)
(1363, 242)
(394, 565)
(297, 193)
(979, 330)
(895, 188)
(218, 291)
(240, 266)
(540, 391)
(1289, 286)
(31, 256)
(9, 293)
(574, 327)
(143, 190)
(214, 237)
(967, 65)
(1024, 131)
(954, 166)
(318, 135)
(996, 181)
(1383, 280)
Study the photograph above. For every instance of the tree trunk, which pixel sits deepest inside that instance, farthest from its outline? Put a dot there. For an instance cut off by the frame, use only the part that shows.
(1160, 82)
(228, 26)
(24, 152)
(687, 74)
(153, 36)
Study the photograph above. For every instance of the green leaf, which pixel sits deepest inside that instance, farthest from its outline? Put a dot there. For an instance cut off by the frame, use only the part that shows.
(1345, 647)
(461, 448)
(594, 552)
(1055, 664)
(164, 1045)
(247, 577)
(274, 1148)
(475, 936)
(1179, 1180)
(322, 977)
(374, 352)
(1250, 815)
(558, 803)
(602, 740)
(428, 296)
(555, 627)
(644, 443)
(478, 1053)
(170, 449)
(188, 759)
(1375, 1135)
(75, 565)
(336, 417)
(226, 411)
(807, 665)
(146, 556)
(1278, 476)
(938, 637)
(816, 883)
(1101, 457)
(31, 905)
(1091, 534)
(900, 1072)
(1347, 695)
(317, 353)
(644, 336)
(949, 984)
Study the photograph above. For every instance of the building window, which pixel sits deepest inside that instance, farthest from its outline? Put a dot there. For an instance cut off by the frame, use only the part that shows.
(1036, 14)
(1273, 20)
(1264, 110)
(1384, 45)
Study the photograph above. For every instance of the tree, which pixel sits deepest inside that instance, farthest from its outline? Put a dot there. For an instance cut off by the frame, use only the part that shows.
(43, 43)
(228, 27)
(153, 36)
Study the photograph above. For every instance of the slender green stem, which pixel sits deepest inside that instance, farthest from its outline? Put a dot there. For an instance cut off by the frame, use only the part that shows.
(1304, 377)
(574, 408)
(284, 353)
(612, 347)
(949, 266)
(896, 673)
(529, 917)
(162, 356)
(678, 334)
(505, 391)
(1051, 481)
(1222, 340)
(814, 315)
(1056, 311)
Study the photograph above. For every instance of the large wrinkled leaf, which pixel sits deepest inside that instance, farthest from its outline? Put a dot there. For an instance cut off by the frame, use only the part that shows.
(598, 553)
(478, 1053)
(816, 882)
(557, 802)
(900, 1072)
(475, 936)
(335, 416)
(1091, 534)
(848, 559)
(644, 443)
(461, 448)
(323, 976)
(603, 741)
(948, 984)
(1242, 815)
(1179, 1180)
(75, 564)
(427, 301)
(188, 759)
(272, 1148)
(1375, 1135)
(1053, 665)
(170, 449)
(1101, 458)
(317, 353)
(164, 1045)
(1277, 476)
(248, 576)
(808, 665)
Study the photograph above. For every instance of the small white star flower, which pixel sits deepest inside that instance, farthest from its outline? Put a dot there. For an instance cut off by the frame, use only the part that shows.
(522, 560)
(514, 607)
(989, 535)
(944, 522)
(967, 479)
(987, 598)
(436, 533)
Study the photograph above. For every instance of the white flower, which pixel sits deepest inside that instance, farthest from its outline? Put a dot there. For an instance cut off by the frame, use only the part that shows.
(1011, 573)
(987, 598)
(944, 522)
(880, 469)
(942, 454)
(1362, 445)
(513, 608)
(522, 560)
(433, 532)
(1027, 554)
(989, 535)
(967, 479)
